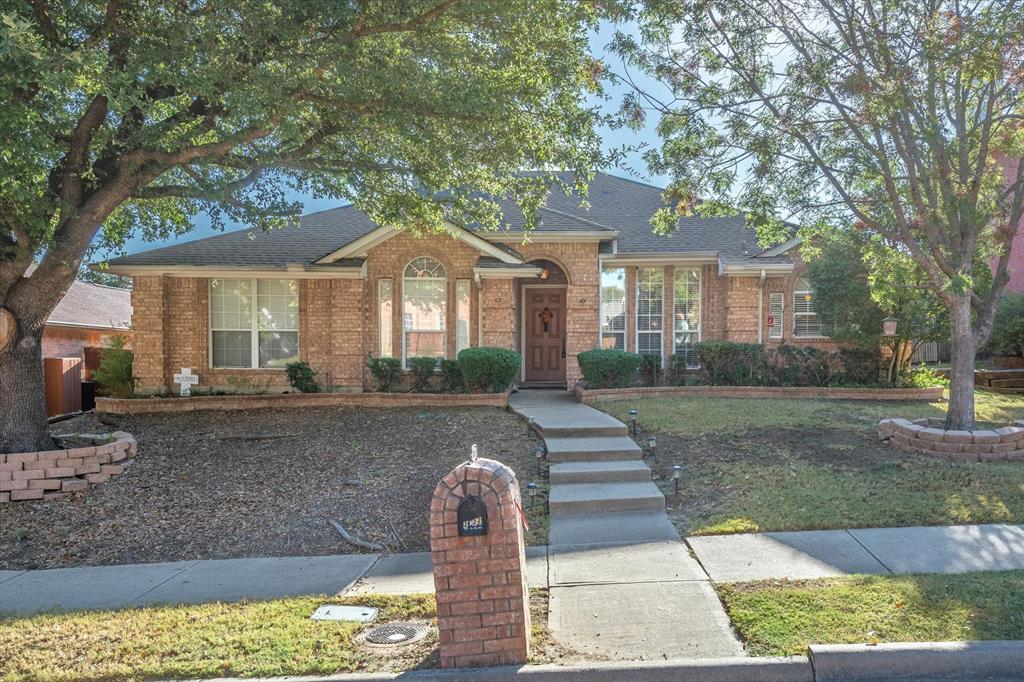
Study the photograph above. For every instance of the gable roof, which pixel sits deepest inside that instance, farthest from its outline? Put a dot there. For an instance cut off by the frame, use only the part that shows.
(618, 215)
(94, 306)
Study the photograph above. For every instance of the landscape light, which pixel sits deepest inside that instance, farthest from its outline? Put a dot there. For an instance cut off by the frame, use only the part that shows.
(632, 422)
(652, 444)
(677, 473)
(531, 491)
(538, 452)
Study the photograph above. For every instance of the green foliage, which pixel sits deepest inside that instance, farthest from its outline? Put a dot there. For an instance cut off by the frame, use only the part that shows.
(1008, 327)
(727, 363)
(114, 374)
(609, 367)
(302, 377)
(247, 385)
(451, 376)
(422, 372)
(922, 377)
(650, 369)
(489, 369)
(386, 372)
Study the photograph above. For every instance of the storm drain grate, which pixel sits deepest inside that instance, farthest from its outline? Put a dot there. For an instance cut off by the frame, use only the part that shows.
(394, 634)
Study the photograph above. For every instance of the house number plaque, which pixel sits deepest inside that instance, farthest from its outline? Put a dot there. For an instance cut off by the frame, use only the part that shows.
(472, 516)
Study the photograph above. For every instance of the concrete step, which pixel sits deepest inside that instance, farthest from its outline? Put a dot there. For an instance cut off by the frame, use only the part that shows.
(599, 472)
(605, 497)
(591, 449)
(569, 430)
(583, 528)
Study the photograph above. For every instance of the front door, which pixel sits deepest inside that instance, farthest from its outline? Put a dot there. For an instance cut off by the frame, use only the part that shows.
(545, 334)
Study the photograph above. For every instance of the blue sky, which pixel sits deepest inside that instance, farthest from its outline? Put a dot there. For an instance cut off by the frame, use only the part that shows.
(612, 139)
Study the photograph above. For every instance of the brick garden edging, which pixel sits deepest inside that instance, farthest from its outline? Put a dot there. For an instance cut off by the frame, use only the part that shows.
(594, 395)
(982, 444)
(252, 402)
(53, 474)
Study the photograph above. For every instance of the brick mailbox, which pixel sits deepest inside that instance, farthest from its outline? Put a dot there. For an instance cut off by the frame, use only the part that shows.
(477, 546)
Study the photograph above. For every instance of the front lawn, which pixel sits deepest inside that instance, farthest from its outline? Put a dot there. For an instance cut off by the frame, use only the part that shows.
(775, 464)
(247, 639)
(218, 485)
(780, 618)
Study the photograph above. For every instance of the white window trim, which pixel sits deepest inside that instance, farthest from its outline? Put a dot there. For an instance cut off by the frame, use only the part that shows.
(782, 314)
(444, 299)
(797, 292)
(469, 314)
(636, 312)
(700, 313)
(625, 308)
(254, 331)
(390, 322)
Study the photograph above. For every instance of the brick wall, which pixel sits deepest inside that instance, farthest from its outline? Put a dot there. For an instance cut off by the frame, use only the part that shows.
(69, 342)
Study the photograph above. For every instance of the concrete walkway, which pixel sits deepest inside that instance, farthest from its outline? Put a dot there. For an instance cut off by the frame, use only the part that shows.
(824, 553)
(622, 585)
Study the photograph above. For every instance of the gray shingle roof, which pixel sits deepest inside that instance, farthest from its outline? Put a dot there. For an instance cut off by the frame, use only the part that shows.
(94, 305)
(615, 205)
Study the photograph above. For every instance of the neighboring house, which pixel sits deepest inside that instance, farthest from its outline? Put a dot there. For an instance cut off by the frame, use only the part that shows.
(1016, 265)
(337, 288)
(86, 317)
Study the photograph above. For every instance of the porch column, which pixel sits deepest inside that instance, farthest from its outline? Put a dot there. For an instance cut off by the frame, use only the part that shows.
(149, 308)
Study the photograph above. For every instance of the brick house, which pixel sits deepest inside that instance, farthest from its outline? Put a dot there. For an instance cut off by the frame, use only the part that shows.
(335, 288)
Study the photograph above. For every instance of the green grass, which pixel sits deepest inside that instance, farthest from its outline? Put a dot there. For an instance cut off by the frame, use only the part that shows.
(247, 639)
(782, 618)
(694, 416)
(771, 464)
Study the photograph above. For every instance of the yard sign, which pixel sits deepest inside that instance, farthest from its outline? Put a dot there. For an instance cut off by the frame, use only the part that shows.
(186, 378)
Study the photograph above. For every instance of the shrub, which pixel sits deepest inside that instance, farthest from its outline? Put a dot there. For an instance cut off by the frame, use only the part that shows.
(386, 372)
(679, 368)
(726, 363)
(608, 367)
(422, 371)
(650, 370)
(114, 374)
(301, 377)
(922, 377)
(1008, 327)
(249, 386)
(860, 366)
(451, 376)
(488, 369)
(799, 366)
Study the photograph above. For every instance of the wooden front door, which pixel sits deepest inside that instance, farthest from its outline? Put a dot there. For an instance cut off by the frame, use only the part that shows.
(545, 334)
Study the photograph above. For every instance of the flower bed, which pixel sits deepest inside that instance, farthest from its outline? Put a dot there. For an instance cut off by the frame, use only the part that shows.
(54, 474)
(923, 437)
(251, 402)
(593, 395)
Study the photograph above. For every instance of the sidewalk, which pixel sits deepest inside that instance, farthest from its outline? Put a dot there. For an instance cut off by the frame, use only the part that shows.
(804, 555)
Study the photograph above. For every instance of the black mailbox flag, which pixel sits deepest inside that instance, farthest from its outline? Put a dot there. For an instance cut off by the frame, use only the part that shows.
(472, 516)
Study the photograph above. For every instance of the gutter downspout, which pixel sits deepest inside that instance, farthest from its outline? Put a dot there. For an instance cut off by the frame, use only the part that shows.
(479, 312)
(760, 307)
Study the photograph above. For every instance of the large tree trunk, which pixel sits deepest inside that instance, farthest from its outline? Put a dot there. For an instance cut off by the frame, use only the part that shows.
(23, 425)
(960, 414)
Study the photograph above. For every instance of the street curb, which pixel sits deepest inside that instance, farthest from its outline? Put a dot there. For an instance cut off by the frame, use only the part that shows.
(918, 660)
(793, 669)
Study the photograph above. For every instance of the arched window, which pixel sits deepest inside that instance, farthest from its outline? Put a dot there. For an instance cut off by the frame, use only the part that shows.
(424, 298)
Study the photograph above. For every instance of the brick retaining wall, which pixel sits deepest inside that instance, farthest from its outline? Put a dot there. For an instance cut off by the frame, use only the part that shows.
(983, 444)
(588, 396)
(54, 474)
(279, 400)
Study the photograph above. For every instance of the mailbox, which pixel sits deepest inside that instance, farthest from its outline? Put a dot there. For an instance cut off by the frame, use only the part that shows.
(472, 516)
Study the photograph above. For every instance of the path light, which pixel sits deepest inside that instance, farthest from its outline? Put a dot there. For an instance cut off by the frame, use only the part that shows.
(538, 452)
(531, 425)
(531, 491)
(632, 422)
(677, 473)
(652, 445)
(889, 326)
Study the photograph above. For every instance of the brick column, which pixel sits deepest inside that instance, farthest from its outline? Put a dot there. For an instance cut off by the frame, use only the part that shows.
(483, 612)
(148, 332)
(499, 308)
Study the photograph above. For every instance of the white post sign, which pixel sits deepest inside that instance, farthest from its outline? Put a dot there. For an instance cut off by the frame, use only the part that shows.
(186, 378)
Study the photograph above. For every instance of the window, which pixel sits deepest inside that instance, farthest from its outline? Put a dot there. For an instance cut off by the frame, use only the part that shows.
(613, 308)
(385, 317)
(248, 331)
(461, 315)
(686, 313)
(776, 310)
(805, 320)
(650, 285)
(424, 294)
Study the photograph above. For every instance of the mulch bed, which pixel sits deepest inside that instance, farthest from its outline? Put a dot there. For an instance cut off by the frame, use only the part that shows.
(217, 485)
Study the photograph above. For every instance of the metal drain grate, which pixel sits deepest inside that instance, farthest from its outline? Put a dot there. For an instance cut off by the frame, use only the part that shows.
(394, 634)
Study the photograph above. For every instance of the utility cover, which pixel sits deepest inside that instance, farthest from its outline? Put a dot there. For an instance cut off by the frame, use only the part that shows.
(359, 614)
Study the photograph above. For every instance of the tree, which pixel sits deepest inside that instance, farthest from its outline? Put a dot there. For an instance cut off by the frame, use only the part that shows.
(858, 283)
(137, 116)
(887, 117)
